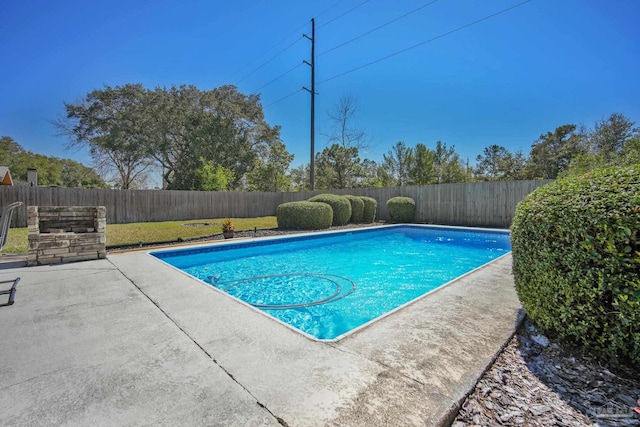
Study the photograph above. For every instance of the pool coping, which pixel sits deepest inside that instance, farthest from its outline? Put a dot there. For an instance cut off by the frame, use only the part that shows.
(127, 327)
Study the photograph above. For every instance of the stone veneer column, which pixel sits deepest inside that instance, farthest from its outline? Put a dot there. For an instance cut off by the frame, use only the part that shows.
(55, 234)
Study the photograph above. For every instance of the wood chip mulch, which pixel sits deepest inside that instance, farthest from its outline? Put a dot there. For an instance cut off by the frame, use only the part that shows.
(537, 382)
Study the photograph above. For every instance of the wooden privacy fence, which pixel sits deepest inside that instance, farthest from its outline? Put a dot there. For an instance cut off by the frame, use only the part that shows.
(489, 204)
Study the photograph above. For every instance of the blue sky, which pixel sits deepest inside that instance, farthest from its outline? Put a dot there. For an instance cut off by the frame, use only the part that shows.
(502, 81)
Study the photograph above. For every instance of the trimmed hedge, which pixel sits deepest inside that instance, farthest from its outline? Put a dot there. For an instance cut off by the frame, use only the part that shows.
(340, 205)
(576, 260)
(401, 209)
(357, 208)
(370, 206)
(304, 216)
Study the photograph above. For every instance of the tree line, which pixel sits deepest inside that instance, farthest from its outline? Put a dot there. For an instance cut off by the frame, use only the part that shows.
(218, 140)
(569, 149)
(51, 170)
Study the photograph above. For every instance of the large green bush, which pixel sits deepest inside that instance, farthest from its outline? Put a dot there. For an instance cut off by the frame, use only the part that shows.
(340, 204)
(357, 208)
(370, 206)
(576, 260)
(304, 216)
(401, 209)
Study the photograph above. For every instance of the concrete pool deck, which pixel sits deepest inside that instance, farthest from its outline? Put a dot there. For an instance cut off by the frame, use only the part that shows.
(131, 341)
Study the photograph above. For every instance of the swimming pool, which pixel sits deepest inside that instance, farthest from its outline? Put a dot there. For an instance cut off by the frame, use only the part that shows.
(327, 285)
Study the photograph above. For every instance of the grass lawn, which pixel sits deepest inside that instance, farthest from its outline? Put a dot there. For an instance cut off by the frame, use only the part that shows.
(122, 234)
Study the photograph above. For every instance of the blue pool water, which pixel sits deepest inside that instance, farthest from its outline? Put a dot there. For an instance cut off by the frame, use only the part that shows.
(326, 285)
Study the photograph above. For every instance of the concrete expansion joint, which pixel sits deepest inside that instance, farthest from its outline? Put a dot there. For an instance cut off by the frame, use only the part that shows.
(346, 350)
(402, 374)
(281, 421)
(215, 362)
(377, 362)
(454, 406)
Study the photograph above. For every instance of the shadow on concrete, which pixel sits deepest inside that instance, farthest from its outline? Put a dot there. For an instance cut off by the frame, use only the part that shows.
(8, 261)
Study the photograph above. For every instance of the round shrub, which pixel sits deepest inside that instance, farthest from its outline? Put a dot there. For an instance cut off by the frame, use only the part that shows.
(576, 260)
(304, 216)
(340, 204)
(357, 208)
(370, 206)
(401, 209)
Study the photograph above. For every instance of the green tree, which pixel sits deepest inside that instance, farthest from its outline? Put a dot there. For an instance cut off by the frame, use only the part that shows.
(613, 142)
(449, 168)
(423, 170)
(610, 136)
(51, 170)
(300, 178)
(375, 175)
(398, 163)
(552, 152)
(338, 167)
(222, 126)
(13, 156)
(128, 129)
(213, 177)
(9, 150)
(75, 174)
(111, 123)
(269, 171)
(498, 163)
(631, 151)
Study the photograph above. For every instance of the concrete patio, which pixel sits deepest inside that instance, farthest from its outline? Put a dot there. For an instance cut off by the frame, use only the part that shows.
(131, 341)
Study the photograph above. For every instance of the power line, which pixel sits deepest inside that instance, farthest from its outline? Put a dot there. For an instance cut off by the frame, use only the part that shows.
(344, 13)
(285, 97)
(269, 60)
(266, 51)
(283, 50)
(425, 42)
(378, 27)
(277, 78)
(296, 31)
(328, 9)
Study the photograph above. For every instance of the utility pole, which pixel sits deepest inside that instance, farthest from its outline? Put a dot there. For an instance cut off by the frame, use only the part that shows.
(312, 91)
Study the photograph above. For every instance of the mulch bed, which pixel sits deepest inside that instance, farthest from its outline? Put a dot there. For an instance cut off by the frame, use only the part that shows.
(538, 382)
